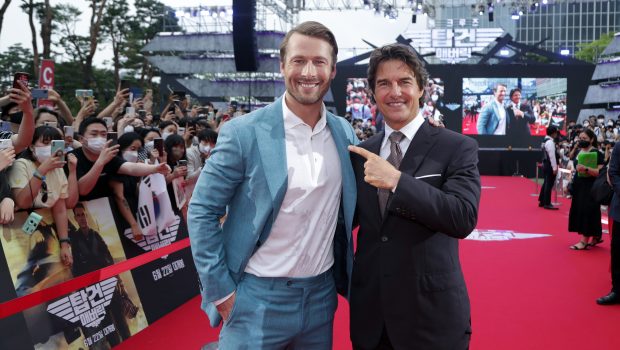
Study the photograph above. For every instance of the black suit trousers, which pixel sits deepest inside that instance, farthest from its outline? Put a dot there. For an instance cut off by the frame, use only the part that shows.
(549, 179)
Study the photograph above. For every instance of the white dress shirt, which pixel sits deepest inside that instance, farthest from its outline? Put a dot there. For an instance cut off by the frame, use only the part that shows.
(501, 127)
(301, 240)
(408, 130)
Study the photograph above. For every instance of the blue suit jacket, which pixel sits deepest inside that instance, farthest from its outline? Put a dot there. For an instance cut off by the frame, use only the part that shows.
(247, 173)
(489, 119)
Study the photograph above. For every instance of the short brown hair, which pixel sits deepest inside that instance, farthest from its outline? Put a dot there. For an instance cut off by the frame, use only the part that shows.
(401, 53)
(315, 30)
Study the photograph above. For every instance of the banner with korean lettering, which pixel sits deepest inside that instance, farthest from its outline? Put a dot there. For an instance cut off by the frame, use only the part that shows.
(159, 282)
(98, 316)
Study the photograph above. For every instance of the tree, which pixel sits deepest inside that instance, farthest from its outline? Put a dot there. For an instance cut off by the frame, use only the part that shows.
(150, 18)
(590, 52)
(3, 9)
(113, 27)
(29, 6)
(45, 14)
(16, 58)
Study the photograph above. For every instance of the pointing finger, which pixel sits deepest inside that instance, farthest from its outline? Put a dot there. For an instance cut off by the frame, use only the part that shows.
(361, 151)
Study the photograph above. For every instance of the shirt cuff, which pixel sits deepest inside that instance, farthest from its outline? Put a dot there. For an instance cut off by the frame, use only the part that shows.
(220, 301)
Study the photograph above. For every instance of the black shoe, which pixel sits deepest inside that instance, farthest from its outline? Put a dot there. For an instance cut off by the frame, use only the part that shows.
(609, 299)
(550, 207)
(540, 205)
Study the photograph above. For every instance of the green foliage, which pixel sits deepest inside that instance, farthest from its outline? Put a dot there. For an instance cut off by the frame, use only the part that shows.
(16, 58)
(590, 52)
(126, 25)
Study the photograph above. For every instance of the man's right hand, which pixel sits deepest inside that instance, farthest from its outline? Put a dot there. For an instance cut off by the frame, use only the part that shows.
(226, 307)
(107, 153)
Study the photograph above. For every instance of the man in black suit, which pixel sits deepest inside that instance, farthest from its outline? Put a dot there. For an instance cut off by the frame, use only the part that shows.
(407, 288)
(520, 116)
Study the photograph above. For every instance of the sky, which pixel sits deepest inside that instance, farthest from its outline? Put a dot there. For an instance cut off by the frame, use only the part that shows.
(349, 27)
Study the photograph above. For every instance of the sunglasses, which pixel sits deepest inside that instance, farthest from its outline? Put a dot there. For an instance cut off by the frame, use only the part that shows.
(44, 190)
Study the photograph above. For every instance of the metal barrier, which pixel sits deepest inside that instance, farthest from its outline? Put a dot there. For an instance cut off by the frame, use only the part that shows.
(536, 189)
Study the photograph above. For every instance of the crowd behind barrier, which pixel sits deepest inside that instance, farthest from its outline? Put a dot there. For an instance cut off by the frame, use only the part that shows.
(81, 193)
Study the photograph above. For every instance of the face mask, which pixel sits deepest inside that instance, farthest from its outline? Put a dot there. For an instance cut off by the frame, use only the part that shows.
(149, 145)
(204, 149)
(586, 124)
(96, 144)
(43, 153)
(562, 152)
(131, 156)
(584, 144)
(165, 135)
(16, 118)
(601, 121)
(177, 153)
(128, 128)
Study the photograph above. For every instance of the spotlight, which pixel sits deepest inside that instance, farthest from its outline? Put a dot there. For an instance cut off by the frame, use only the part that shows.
(520, 13)
(564, 52)
(367, 4)
(504, 52)
(515, 16)
(545, 2)
(222, 13)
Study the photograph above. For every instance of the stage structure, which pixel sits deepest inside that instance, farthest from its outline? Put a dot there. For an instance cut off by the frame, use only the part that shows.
(603, 97)
(223, 53)
(552, 85)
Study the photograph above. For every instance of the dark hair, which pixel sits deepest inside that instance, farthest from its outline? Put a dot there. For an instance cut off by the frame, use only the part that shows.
(171, 141)
(207, 135)
(592, 136)
(127, 139)
(79, 205)
(44, 133)
(88, 121)
(401, 53)
(166, 123)
(513, 91)
(314, 30)
(41, 110)
(6, 109)
(551, 130)
(145, 131)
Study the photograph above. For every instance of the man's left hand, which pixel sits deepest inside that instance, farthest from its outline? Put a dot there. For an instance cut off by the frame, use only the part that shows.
(378, 171)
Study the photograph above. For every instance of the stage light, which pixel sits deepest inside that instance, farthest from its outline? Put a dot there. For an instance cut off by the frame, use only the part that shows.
(222, 13)
(419, 6)
(179, 13)
(515, 16)
(214, 13)
(367, 4)
(564, 52)
(520, 13)
(504, 52)
(545, 2)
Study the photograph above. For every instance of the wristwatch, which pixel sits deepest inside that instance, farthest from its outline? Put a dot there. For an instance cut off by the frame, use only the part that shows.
(64, 240)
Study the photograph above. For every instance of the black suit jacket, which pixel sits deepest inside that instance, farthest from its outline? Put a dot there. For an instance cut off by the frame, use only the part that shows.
(406, 273)
(520, 127)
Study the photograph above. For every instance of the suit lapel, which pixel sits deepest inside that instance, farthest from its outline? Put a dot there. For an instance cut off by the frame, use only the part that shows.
(272, 149)
(373, 144)
(349, 193)
(418, 148)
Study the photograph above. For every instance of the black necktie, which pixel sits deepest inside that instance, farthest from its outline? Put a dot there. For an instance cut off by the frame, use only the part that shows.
(395, 157)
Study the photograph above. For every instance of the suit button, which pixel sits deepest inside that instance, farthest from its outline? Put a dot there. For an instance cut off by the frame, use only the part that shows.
(289, 283)
(384, 239)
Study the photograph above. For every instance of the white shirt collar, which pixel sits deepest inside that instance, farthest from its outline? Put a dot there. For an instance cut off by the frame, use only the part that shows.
(291, 120)
(408, 130)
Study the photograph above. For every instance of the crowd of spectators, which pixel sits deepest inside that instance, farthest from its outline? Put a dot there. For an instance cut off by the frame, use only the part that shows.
(52, 158)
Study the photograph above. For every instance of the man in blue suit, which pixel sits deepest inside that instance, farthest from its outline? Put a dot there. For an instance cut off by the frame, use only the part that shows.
(493, 119)
(284, 177)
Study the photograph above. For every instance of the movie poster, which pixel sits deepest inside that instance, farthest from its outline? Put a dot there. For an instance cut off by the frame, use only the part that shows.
(98, 316)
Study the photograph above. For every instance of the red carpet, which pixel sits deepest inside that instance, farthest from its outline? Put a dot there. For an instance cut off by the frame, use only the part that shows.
(525, 294)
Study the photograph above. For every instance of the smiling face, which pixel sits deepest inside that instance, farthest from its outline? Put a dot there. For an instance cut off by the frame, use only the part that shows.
(397, 93)
(500, 93)
(307, 69)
